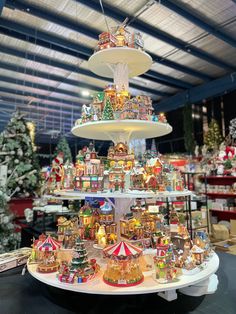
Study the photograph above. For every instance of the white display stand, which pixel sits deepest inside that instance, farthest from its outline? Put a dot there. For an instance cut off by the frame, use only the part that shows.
(149, 285)
(121, 130)
(122, 63)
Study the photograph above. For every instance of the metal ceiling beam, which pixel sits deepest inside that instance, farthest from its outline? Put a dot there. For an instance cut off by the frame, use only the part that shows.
(191, 17)
(37, 96)
(43, 87)
(174, 82)
(50, 41)
(69, 67)
(144, 27)
(180, 68)
(2, 4)
(52, 17)
(84, 29)
(38, 106)
(45, 39)
(37, 118)
(198, 93)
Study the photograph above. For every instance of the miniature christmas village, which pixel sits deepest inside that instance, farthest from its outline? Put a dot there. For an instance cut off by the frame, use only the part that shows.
(120, 36)
(173, 251)
(117, 173)
(112, 104)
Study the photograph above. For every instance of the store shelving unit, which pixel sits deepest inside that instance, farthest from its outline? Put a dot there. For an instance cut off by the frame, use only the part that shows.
(198, 197)
(230, 196)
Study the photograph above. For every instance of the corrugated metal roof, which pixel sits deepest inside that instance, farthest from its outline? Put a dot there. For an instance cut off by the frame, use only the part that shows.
(67, 13)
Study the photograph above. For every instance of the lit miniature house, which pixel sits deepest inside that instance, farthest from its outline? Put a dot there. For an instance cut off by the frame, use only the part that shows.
(123, 268)
(120, 155)
(110, 92)
(145, 107)
(164, 264)
(48, 263)
(89, 171)
(106, 216)
(116, 179)
(63, 225)
(98, 104)
(131, 228)
(197, 254)
(85, 215)
(106, 40)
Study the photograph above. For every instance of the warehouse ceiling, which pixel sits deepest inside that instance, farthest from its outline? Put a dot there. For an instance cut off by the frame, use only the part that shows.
(45, 45)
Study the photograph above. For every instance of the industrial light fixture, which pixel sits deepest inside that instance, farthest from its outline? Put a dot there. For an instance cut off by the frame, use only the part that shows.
(85, 93)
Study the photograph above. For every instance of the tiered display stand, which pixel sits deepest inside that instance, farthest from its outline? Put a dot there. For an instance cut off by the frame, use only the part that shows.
(122, 63)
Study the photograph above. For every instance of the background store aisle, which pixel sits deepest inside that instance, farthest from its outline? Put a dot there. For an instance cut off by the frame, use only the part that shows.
(24, 295)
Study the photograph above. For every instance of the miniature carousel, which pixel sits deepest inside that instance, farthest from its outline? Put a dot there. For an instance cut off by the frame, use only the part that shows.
(123, 268)
(48, 262)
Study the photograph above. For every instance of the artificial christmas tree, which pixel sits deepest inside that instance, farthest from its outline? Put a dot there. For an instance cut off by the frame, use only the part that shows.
(17, 153)
(232, 128)
(213, 138)
(63, 147)
(108, 113)
(9, 239)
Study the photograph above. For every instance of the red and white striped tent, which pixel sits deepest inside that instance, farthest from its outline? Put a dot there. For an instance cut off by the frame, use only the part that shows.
(122, 250)
(49, 245)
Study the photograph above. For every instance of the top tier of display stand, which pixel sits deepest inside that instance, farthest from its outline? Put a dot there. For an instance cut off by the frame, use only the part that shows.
(121, 63)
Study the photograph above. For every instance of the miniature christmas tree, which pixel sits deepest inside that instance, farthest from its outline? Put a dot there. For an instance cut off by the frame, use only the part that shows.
(17, 153)
(108, 111)
(80, 259)
(64, 147)
(213, 137)
(153, 148)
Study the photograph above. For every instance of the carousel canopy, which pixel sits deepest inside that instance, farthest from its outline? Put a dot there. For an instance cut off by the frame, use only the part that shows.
(49, 245)
(122, 250)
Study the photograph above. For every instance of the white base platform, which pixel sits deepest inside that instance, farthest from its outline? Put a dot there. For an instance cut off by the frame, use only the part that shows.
(149, 285)
(121, 130)
(102, 61)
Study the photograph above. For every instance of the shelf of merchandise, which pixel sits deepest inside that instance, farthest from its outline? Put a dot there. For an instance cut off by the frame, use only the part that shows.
(221, 195)
(224, 211)
(121, 130)
(149, 285)
(220, 180)
(188, 177)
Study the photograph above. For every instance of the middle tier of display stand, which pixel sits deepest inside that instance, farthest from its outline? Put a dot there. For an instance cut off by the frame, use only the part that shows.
(121, 130)
(71, 194)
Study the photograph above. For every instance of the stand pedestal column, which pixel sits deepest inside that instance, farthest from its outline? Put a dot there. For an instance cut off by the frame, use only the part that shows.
(121, 76)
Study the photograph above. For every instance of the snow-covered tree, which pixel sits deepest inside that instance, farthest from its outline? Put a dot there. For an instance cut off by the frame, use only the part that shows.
(17, 153)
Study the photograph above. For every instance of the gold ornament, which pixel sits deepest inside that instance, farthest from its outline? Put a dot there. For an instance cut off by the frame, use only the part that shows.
(31, 127)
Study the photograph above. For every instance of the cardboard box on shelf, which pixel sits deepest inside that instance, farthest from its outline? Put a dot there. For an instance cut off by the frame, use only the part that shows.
(227, 245)
(220, 232)
(199, 218)
(233, 227)
(14, 258)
